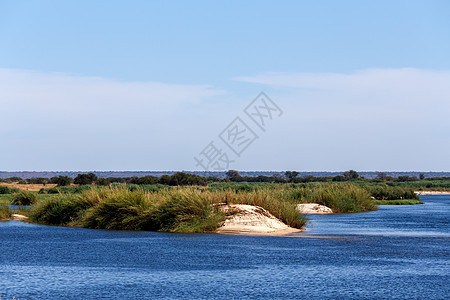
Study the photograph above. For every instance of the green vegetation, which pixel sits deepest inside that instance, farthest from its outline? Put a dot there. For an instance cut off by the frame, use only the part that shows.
(190, 209)
(180, 210)
(189, 203)
(24, 198)
(4, 190)
(5, 212)
(386, 192)
(61, 180)
(398, 202)
(340, 197)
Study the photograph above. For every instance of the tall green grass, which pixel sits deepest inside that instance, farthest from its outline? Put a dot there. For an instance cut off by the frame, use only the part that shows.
(177, 210)
(340, 197)
(5, 212)
(385, 192)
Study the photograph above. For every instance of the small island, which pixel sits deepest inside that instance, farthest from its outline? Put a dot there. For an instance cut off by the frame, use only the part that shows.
(190, 203)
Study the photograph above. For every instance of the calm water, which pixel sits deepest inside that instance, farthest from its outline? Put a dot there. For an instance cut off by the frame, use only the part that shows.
(397, 252)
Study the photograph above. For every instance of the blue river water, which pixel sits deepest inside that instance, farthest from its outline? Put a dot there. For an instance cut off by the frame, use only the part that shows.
(397, 252)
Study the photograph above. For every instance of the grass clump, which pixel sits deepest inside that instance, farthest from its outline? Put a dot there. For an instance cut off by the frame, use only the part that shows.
(5, 212)
(178, 210)
(340, 197)
(24, 198)
(119, 209)
(188, 210)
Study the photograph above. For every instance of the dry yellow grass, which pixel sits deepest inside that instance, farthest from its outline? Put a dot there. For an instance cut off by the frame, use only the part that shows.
(27, 187)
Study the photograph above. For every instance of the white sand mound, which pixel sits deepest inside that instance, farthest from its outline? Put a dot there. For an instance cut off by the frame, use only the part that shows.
(313, 208)
(252, 220)
(19, 217)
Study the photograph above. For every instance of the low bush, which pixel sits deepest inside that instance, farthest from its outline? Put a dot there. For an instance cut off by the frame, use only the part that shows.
(5, 190)
(5, 212)
(24, 198)
(385, 192)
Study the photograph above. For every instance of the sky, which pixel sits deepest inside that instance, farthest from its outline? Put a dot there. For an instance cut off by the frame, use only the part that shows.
(175, 85)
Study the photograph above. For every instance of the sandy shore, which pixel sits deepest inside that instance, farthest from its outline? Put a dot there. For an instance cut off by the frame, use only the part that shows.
(431, 193)
(19, 217)
(16, 217)
(314, 208)
(253, 220)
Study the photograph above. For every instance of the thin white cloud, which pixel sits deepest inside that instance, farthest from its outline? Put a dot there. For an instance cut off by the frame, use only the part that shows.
(381, 119)
(372, 119)
(370, 79)
(63, 121)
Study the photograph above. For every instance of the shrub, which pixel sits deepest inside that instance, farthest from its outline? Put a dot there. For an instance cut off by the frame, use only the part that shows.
(61, 180)
(5, 190)
(144, 180)
(102, 181)
(385, 192)
(5, 212)
(83, 179)
(24, 198)
(38, 180)
(181, 178)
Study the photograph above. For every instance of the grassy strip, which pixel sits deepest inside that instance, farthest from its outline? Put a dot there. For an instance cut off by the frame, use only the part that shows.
(397, 202)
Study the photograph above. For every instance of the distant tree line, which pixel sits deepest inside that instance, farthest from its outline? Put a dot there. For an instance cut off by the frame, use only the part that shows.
(181, 178)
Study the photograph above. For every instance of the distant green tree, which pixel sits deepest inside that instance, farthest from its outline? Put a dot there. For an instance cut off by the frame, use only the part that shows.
(351, 175)
(61, 180)
(232, 174)
(83, 179)
(13, 179)
(421, 176)
(181, 178)
(291, 174)
(382, 176)
(37, 180)
(338, 178)
(406, 178)
(164, 179)
(145, 180)
(102, 181)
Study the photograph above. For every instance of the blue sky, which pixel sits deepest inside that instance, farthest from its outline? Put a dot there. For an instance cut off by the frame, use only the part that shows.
(146, 85)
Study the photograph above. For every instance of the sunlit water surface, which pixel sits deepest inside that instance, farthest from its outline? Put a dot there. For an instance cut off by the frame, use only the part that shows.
(397, 252)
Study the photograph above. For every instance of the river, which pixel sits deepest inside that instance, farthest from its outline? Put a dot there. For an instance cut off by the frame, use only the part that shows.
(397, 252)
